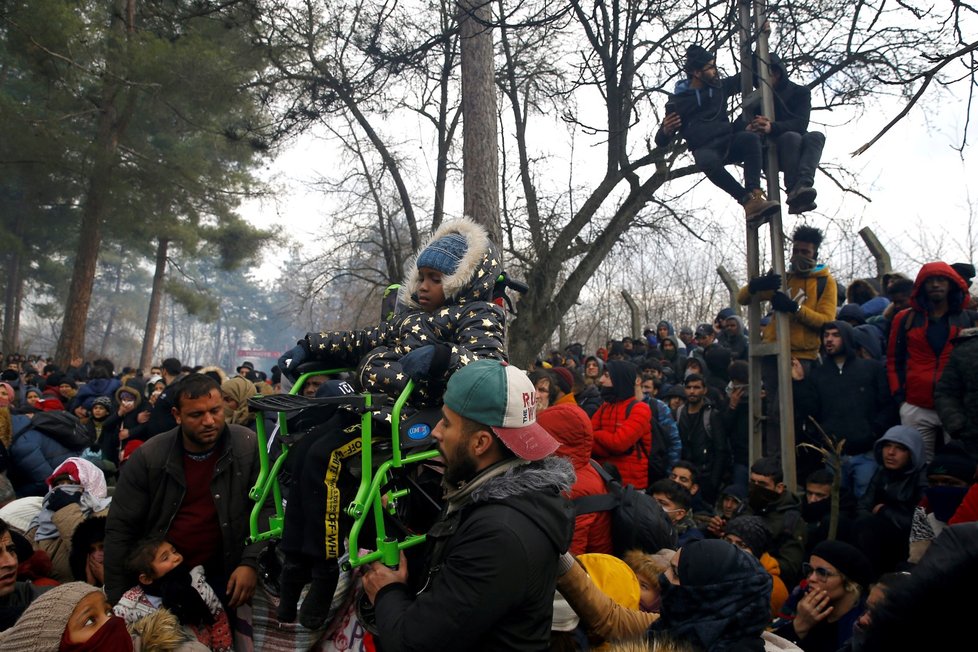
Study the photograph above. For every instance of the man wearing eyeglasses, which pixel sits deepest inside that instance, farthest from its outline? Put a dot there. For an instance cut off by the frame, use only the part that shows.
(697, 111)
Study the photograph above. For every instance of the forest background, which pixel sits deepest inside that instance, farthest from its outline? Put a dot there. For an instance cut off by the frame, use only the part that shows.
(198, 178)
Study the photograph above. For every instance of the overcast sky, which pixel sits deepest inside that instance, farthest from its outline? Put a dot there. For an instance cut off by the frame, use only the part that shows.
(919, 185)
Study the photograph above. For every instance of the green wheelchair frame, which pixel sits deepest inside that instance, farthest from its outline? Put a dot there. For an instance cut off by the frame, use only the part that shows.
(369, 500)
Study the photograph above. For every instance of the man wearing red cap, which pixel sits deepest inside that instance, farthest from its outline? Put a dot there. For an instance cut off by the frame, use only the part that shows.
(492, 556)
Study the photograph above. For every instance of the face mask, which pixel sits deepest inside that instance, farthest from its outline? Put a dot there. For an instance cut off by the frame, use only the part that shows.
(609, 394)
(813, 512)
(760, 498)
(944, 501)
(803, 264)
(112, 635)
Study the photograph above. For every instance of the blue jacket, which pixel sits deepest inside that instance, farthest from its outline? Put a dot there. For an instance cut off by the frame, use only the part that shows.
(34, 456)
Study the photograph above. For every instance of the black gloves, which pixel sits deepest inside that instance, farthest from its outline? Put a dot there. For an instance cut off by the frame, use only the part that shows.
(289, 362)
(783, 303)
(427, 362)
(762, 283)
(61, 498)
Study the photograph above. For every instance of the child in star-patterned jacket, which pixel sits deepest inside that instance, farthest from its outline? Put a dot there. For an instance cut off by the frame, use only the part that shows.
(447, 319)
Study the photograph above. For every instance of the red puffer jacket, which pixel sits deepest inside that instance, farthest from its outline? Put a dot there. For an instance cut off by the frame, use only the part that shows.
(571, 426)
(623, 440)
(911, 364)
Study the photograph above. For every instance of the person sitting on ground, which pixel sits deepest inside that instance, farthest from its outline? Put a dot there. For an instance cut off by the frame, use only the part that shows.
(676, 502)
(769, 498)
(15, 596)
(949, 476)
(723, 606)
(649, 567)
(697, 111)
(78, 492)
(447, 320)
(685, 473)
(820, 613)
(165, 581)
(816, 510)
(877, 594)
(87, 556)
(886, 510)
(73, 617)
(750, 534)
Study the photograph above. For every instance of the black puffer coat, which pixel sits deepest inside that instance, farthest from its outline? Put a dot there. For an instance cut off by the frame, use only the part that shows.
(956, 394)
(469, 322)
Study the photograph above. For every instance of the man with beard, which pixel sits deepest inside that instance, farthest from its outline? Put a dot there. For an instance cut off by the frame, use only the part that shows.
(697, 111)
(848, 396)
(704, 437)
(190, 483)
(921, 339)
(768, 498)
(809, 300)
(492, 556)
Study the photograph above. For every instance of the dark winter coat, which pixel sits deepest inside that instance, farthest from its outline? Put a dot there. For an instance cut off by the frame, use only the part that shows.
(589, 399)
(703, 112)
(898, 491)
(956, 394)
(706, 447)
(151, 489)
(851, 403)
(792, 103)
(469, 322)
(788, 532)
(912, 365)
(492, 568)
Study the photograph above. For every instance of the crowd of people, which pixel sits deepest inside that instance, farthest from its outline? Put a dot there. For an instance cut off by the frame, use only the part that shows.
(124, 494)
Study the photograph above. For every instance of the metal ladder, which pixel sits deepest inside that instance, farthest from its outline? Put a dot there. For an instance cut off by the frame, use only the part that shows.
(781, 348)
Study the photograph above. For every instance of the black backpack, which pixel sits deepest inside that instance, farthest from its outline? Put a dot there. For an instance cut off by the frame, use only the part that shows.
(64, 427)
(637, 521)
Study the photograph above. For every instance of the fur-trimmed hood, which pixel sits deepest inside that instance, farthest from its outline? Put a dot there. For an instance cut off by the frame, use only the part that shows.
(550, 472)
(476, 274)
(161, 632)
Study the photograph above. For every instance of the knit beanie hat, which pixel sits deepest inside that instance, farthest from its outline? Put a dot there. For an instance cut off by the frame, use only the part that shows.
(564, 378)
(444, 254)
(40, 627)
(753, 532)
(697, 57)
(850, 561)
(104, 401)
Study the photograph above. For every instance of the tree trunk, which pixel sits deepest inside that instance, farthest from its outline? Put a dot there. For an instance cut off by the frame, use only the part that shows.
(155, 301)
(112, 312)
(480, 154)
(11, 303)
(112, 124)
